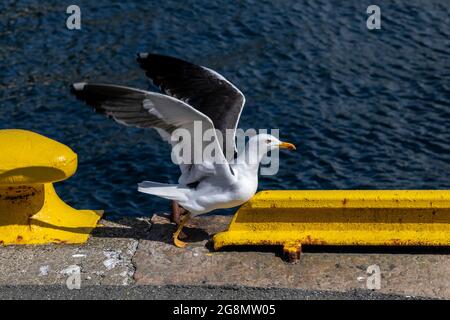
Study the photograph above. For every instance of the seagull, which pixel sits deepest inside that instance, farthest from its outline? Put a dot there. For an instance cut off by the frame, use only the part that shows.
(190, 95)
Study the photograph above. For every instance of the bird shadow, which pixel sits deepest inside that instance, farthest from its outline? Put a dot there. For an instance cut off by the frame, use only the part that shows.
(143, 229)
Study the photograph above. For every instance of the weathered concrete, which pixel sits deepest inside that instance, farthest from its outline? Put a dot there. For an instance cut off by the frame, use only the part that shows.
(160, 263)
(104, 260)
(169, 292)
(139, 253)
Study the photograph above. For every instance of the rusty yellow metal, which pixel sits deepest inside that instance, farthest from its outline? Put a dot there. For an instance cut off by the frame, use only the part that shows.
(30, 210)
(292, 218)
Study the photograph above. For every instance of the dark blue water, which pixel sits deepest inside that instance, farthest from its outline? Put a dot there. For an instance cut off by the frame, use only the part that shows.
(366, 109)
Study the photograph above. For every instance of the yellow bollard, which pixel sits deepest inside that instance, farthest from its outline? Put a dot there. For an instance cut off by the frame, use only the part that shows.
(293, 218)
(30, 210)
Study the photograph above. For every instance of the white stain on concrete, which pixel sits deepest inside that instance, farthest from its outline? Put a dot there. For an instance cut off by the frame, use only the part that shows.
(113, 258)
(43, 270)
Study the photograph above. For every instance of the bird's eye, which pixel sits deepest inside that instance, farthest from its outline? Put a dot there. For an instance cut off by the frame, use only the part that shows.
(268, 141)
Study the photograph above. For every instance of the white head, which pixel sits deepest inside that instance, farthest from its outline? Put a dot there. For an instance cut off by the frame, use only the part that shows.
(268, 142)
(258, 146)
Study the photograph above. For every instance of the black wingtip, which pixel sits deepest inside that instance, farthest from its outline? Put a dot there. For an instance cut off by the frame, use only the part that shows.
(84, 94)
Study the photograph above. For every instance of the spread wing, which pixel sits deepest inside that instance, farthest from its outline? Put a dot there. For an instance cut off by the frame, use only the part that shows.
(200, 87)
(171, 117)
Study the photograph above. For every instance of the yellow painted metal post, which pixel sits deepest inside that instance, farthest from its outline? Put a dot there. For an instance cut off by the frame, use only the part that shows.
(30, 210)
(293, 218)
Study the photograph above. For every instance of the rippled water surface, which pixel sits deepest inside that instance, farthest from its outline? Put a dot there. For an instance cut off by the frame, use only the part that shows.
(366, 109)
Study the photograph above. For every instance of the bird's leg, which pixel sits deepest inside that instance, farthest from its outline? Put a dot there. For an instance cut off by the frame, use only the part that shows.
(176, 241)
(175, 217)
(178, 213)
(183, 213)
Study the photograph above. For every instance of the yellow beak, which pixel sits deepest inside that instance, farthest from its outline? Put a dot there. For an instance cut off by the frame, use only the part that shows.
(287, 145)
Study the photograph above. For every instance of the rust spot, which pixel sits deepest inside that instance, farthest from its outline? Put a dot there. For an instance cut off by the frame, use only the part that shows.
(267, 242)
(292, 254)
(312, 241)
(344, 202)
(19, 238)
(20, 197)
(398, 242)
(19, 193)
(59, 241)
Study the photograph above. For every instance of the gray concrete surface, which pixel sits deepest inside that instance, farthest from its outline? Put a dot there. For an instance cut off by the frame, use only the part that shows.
(170, 292)
(134, 259)
(101, 261)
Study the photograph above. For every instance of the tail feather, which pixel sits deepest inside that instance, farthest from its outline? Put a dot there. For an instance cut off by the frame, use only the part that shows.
(163, 190)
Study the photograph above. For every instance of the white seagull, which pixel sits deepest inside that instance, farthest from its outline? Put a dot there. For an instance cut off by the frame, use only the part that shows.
(190, 93)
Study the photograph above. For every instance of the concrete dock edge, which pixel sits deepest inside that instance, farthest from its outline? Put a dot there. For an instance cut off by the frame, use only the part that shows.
(133, 258)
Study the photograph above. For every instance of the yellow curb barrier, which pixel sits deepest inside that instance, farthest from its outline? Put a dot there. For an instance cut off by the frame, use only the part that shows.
(292, 218)
(30, 210)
